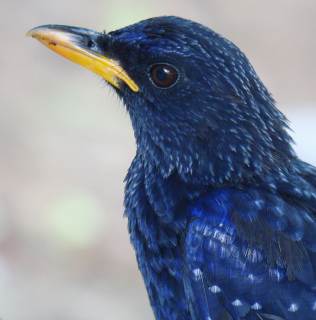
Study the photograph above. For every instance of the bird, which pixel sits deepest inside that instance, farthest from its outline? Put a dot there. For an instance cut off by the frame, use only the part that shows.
(221, 210)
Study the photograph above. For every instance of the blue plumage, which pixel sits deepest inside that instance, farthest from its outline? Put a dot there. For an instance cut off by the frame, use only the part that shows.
(221, 211)
(258, 268)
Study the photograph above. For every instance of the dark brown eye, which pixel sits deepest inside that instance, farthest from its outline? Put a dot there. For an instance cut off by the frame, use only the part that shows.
(163, 75)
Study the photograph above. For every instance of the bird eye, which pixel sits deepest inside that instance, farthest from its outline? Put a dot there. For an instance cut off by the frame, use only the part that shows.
(163, 75)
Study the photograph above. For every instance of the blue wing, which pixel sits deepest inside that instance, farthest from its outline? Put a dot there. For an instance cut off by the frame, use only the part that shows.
(250, 255)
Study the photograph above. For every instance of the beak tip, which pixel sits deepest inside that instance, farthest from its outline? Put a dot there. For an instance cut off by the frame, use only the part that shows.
(37, 31)
(32, 32)
(29, 34)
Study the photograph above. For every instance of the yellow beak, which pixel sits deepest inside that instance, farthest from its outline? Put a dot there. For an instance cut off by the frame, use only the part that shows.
(79, 45)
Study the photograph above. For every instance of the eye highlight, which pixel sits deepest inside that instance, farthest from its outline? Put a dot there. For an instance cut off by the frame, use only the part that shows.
(163, 75)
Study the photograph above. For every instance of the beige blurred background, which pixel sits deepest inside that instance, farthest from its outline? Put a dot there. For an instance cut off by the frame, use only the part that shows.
(66, 144)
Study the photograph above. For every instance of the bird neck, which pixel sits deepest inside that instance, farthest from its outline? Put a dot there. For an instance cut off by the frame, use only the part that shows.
(214, 163)
(234, 152)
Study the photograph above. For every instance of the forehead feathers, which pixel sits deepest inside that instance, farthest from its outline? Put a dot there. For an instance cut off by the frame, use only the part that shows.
(171, 34)
(190, 45)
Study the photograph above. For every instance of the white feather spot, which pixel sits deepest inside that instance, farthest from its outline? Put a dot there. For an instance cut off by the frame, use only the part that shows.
(237, 303)
(197, 274)
(293, 307)
(215, 289)
(256, 306)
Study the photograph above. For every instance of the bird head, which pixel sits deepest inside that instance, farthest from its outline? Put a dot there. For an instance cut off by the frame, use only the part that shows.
(197, 106)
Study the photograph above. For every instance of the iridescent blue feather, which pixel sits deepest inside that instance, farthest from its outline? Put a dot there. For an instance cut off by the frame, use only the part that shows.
(221, 211)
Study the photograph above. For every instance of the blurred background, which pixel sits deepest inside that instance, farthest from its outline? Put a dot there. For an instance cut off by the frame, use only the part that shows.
(66, 144)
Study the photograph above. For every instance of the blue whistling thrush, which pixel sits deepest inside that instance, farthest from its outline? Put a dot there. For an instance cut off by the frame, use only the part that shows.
(221, 211)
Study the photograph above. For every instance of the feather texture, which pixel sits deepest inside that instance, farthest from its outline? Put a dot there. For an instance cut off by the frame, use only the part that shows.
(222, 213)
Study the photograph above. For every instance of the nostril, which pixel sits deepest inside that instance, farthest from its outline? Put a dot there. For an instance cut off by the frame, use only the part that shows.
(90, 44)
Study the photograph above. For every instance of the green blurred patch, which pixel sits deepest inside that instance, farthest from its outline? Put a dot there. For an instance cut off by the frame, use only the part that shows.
(122, 13)
(76, 220)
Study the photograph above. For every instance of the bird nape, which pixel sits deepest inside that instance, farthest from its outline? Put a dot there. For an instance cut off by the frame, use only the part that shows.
(221, 211)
